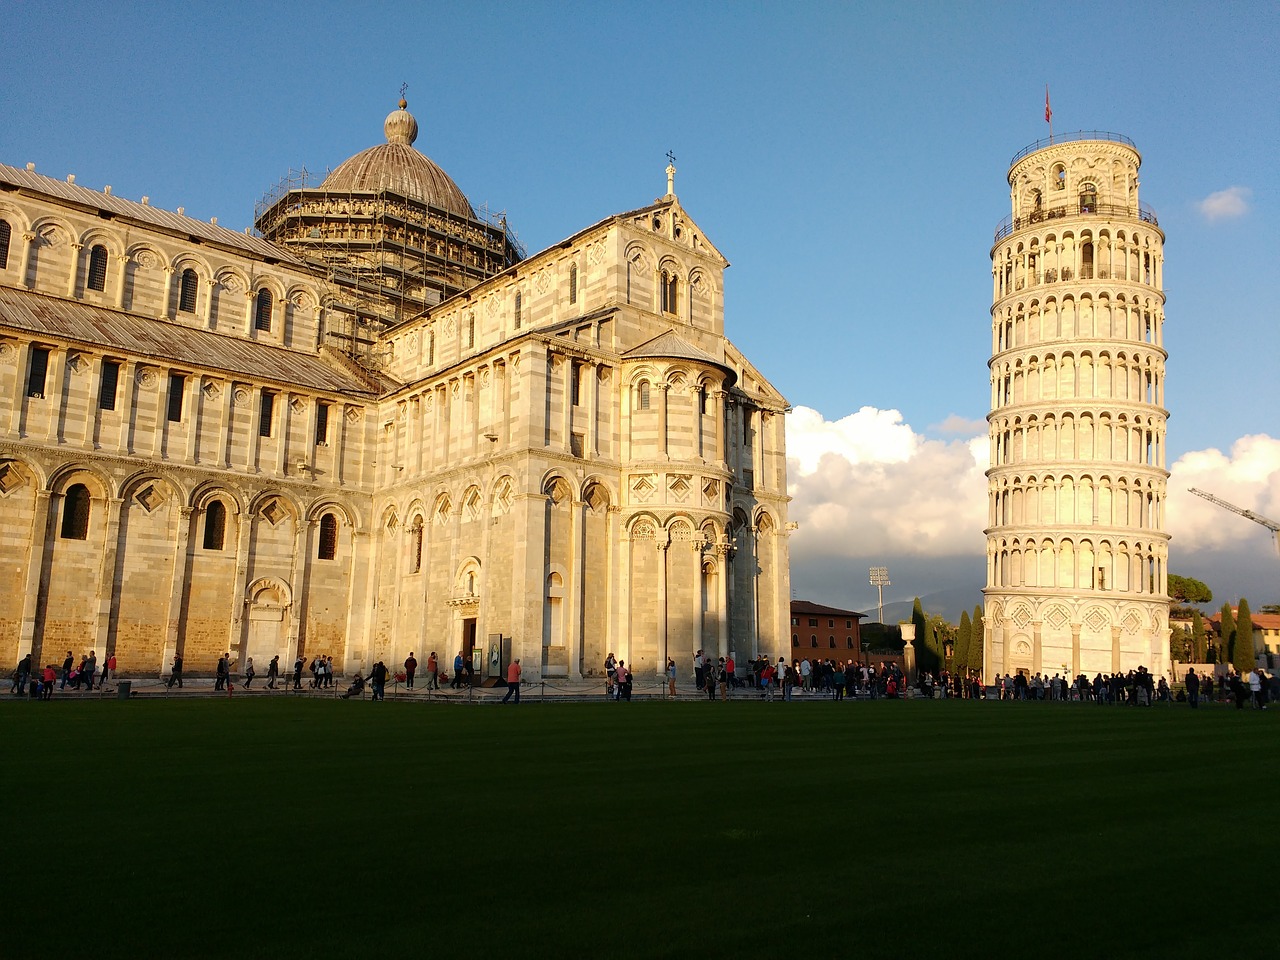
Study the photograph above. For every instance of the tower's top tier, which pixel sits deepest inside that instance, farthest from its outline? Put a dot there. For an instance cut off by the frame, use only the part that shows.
(1084, 173)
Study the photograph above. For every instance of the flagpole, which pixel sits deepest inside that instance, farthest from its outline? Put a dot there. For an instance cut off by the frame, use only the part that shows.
(1048, 113)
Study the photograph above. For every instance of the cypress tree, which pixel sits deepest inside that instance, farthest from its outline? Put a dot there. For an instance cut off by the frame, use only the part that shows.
(1226, 634)
(977, 640)
(1242, 652)
(921, 640)
(1199, 638)
(964, 636)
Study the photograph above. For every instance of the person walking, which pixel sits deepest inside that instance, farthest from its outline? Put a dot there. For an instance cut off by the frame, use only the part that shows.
(91, 668)
(48, 680)
(433, 672)
(410, 668)
(220, 675)
(67, 666)
(108, 668)
(457, 671)
(624, 681)
(299, 665)
(1255, 689)
(273, 672)
(671, 678)
(249, 673)
(724, 680)
(513, 681)
(1193, 688)
(610, 674)
(175, 673)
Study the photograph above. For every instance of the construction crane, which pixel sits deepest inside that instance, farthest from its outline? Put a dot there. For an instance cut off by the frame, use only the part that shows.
(1271, 525)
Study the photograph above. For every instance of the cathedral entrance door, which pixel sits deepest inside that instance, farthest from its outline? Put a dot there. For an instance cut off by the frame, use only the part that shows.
(266, 629)
(472, 654)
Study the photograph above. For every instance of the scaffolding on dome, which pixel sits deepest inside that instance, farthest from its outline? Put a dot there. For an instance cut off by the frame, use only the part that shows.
(385, 257)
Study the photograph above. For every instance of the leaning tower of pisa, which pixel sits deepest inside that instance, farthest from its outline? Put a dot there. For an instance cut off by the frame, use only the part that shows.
(1076, 548)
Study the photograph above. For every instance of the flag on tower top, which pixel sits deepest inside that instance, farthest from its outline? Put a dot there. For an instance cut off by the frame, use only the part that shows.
(1048, 113)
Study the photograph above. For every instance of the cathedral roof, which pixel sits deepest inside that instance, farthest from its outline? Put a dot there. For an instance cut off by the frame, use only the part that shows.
(102, 329)
(395, 166)
(668, 346)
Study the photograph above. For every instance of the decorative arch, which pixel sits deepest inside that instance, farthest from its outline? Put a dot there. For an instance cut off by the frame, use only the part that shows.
(467, 578)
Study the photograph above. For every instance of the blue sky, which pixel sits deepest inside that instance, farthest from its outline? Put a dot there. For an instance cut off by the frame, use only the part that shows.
(849, 160)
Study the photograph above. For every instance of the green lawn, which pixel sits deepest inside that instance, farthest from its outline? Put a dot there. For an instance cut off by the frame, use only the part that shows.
(295, 828)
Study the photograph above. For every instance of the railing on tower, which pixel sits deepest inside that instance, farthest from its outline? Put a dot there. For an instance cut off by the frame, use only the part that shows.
(1072, 138)
(1078, 209)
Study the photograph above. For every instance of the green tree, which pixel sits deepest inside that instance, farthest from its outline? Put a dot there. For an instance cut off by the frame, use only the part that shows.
(923, 641)
(1179, 645)
(1226, 634)
(1188, 590)
(1242, 651)
(977, 640)
(964, 635)
(1199, 638)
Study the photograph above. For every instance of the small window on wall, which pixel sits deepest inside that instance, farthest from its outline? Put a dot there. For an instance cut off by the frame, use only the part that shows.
(1059, 177)
(37, 371)
(848, 642)
(643, 395)
(110, 385)
(322, 424)
(813, 640)
(795, 640)
(573, 283)
(575, 382)
(516, 318)
(328, 537)
(471, 331)
(177, 383)
(431, 348)
(98, 268)
(416, 561)
(215, 525)
(75, 513)
(266, 414)
(187, 291)
(6, 234)
(262, 311)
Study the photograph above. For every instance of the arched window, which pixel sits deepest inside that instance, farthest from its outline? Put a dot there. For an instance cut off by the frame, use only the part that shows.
(795, 640)
(643, 392)
(187, 291)
(573, 283)
(833, 643)
(328, 537)
(813, 640)
(215, 525)
(471, 330)
(668, 292)
(517, 311)
(1086, 260)
(6, 234)
(262, 311)
(98, 268)
(1088, 198)
(431, 347)
(848, 642)
(75, 513)
(1059, 176)
(416, 560)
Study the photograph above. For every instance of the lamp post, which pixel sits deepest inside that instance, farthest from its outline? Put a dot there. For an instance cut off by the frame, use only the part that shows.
(880, 580)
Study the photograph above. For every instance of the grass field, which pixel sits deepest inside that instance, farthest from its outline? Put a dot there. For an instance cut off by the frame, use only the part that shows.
(289, 828)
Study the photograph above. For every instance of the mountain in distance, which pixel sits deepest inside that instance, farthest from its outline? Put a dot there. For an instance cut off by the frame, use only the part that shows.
(949, 603)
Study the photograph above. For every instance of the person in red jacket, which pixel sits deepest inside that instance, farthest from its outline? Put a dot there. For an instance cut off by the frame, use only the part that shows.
(49, 678)
(513, 681)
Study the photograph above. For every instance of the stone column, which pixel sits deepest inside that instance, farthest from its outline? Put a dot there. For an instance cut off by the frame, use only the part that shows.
(591, 381)
(297, 577)
(122, 277)
(662, 546)
(128, 386)
(622, 642)
(206, 305)
(239, 590)
(177, 581)
(54, 388)
(195, 415)
(566, 420)
(1115, 648)
(573, 590)
(166, 308)
(28, 248)
(663, 390)
(35, 565)
(1075, 650)
(1037, 648)
(73, 278)
(107, 587)
(722, 595)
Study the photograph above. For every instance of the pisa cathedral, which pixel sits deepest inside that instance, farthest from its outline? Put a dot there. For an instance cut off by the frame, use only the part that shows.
(1076, 541)
(371, 426)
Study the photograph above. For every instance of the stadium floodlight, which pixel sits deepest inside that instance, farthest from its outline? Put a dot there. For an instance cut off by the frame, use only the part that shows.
(880, 580)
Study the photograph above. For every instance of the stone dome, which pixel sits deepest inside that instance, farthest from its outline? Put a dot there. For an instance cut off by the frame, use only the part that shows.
(398, 167)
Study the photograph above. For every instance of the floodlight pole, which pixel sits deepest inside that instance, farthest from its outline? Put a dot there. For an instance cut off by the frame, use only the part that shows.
(880, 580)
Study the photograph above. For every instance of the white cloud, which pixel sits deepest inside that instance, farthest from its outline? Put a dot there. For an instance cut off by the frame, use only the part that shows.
(1249, 478)
(1226, 204)
(956, 425)
(869, 484)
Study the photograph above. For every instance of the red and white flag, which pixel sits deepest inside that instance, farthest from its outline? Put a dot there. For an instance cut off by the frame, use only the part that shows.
(1048, 113)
